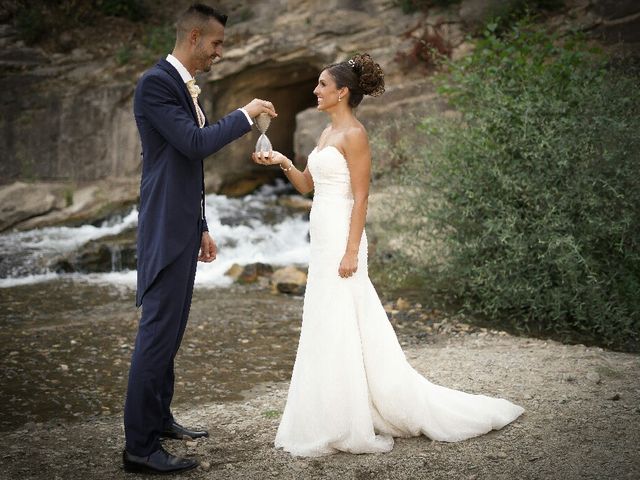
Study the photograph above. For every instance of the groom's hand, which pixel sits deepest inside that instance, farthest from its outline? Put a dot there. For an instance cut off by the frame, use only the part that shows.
(208, 248)
(257, 106)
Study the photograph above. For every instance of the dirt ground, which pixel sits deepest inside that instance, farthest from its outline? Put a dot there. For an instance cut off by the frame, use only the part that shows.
(582, 421)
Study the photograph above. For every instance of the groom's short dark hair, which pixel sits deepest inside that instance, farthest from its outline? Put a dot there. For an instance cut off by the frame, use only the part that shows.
(196, 15)
(206, 11)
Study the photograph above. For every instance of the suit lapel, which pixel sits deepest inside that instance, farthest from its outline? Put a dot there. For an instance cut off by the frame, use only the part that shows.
(167, 67)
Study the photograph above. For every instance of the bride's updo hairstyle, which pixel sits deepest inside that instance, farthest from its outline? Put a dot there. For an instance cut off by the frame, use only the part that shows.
(361, 75)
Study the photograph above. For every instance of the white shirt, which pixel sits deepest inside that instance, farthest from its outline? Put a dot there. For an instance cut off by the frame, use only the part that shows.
(186, 76)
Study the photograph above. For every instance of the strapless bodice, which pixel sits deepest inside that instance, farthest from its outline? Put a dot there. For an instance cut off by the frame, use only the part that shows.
(330, 173)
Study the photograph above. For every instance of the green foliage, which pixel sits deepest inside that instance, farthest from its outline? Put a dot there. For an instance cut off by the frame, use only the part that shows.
(158, 40)
(509, 13)
(411, 6)
(68, 196)
(539, 189)
(134, 10)
(31, 24)
(124, 55)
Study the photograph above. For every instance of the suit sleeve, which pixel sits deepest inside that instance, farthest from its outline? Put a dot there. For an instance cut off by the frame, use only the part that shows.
(163, 110)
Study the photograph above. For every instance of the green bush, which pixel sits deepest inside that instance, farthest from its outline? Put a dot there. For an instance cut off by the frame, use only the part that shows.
(31, 24)
(411, 6)
(159, 39)
(537, 189)
(134, 10)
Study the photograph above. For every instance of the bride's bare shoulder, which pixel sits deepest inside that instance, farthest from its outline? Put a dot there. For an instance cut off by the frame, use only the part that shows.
(356, 138)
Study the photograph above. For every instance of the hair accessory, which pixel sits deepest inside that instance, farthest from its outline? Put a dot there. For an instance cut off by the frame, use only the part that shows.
(351, 63)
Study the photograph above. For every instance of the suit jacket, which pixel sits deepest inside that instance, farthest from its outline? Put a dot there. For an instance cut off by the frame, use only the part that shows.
(172, 184)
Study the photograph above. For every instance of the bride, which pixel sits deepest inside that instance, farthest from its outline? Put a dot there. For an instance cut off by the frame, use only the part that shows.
(352, 389)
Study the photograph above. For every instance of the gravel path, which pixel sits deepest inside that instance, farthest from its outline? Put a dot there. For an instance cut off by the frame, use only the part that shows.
(582, 421)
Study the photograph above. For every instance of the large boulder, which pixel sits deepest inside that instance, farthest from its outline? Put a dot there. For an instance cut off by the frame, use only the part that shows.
(77, 205)
(21, 201)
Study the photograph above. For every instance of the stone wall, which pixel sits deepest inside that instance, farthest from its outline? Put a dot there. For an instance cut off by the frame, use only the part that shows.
(68, 117)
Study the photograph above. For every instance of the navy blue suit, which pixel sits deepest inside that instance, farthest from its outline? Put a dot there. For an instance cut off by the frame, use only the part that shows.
(170, 226)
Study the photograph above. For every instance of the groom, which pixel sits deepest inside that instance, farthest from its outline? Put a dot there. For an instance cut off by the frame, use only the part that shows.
(172, 229)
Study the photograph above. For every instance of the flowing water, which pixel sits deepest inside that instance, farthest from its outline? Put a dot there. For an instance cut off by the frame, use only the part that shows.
(254, 228)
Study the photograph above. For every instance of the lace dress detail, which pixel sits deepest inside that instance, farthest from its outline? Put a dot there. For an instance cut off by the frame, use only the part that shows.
(352, 388)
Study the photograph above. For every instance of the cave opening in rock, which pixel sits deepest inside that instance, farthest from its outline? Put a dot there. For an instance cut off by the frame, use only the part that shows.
(288, 85)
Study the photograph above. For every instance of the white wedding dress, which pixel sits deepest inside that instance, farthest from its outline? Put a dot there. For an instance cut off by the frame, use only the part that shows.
(352, 389)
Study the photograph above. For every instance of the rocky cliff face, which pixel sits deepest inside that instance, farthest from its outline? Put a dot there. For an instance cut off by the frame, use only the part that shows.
(68, 117)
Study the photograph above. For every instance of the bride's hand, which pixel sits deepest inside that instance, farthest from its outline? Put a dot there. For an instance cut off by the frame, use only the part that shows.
(272, 158)
(348, 265)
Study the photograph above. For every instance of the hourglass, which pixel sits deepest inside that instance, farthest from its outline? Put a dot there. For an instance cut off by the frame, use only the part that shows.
(263, 145)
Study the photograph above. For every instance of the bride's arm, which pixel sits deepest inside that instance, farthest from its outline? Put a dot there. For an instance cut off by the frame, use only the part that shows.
(301, 181)
(358, 158)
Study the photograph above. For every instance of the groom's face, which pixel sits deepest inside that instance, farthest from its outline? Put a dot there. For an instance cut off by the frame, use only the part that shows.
(209, 46)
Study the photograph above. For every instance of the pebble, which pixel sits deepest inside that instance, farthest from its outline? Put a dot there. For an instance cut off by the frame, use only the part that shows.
(594, 377)
(205, 466)
(614, 397)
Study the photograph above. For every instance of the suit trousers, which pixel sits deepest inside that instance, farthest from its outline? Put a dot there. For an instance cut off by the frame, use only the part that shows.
(165, 310)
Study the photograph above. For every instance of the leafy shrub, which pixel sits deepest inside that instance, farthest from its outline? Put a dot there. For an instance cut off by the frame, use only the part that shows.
(31, 24)
(124, 55)
(536, 188)
(510, 13)
(134, 10)
(158, 40)
(410, 6)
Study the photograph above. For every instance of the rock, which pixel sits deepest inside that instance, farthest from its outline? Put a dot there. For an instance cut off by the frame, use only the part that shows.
(250, 273)
(475, 13)
(295, 202)
(289, 280)
(615, 397)
(309, 125)
(234, 271)
(615, 9)
(593, 377)
(206, 466)
(91, 202)
(108, 254)
(65, 42)
(403, 304)
(21, 201)
(78, 105)
(462, 50)
(243, 186)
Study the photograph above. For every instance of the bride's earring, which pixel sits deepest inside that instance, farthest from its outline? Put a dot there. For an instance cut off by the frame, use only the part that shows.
(339, 98)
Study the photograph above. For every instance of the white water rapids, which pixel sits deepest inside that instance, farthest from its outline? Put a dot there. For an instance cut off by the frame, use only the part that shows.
(250, 229)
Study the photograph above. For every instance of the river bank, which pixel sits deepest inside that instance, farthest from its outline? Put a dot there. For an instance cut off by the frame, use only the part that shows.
(64, 371)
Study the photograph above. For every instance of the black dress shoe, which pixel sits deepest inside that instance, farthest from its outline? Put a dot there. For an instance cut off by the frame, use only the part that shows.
(159, 462)
(177, 431)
